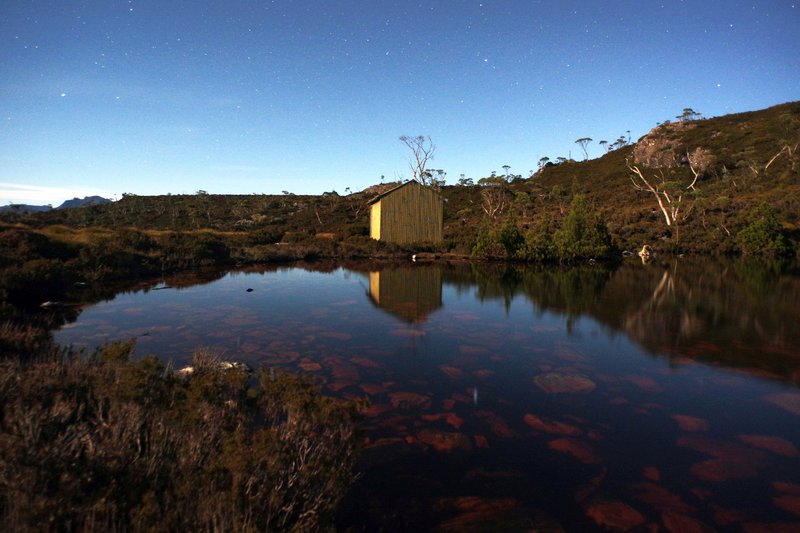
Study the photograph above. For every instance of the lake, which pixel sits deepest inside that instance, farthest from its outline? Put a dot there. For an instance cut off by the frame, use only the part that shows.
(659, 397)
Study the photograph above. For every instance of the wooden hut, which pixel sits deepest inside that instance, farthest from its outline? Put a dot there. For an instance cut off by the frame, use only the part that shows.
(408, 213)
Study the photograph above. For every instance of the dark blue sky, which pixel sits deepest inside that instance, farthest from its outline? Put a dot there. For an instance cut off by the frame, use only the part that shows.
(151, 97)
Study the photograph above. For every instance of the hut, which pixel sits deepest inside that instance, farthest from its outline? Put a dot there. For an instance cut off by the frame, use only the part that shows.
(408, 213)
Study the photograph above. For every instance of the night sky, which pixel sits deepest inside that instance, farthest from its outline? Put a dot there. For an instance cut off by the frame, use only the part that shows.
(155, 97)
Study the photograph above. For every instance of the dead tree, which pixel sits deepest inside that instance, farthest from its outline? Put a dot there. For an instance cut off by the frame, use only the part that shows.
(668, 194)
(494, 197)
(791, 153)
(699, 162)
(422, 149)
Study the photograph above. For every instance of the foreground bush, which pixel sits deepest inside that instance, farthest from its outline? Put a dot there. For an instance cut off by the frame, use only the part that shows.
(106, 444)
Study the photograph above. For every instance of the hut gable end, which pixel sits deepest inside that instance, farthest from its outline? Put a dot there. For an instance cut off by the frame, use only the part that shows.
(406, 214)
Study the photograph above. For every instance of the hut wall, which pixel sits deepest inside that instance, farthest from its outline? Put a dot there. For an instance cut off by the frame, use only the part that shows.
(375, 221)
(412, 213)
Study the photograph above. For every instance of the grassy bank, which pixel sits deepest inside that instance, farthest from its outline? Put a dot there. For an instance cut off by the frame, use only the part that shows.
(102, 443)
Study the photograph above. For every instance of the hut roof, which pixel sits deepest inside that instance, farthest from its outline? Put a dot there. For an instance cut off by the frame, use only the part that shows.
(384, 194)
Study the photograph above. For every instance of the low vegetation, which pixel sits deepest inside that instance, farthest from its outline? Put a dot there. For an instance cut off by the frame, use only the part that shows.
(103, 443)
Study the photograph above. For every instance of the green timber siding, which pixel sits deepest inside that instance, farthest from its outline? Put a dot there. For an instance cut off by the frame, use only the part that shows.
(406, 214)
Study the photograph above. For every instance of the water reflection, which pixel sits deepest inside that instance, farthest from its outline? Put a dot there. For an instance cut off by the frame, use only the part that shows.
(737, 313)
(410, 293)
(732, 313)
(518, 398)
(740, 314)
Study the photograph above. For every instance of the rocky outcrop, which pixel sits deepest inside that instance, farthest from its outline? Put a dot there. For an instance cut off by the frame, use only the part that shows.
(662, 147)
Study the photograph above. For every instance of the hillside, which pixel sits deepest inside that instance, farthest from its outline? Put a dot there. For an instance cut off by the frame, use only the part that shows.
(740, 161)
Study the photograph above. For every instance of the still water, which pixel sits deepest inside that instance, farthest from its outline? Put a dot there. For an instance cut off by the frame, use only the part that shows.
(659, 397)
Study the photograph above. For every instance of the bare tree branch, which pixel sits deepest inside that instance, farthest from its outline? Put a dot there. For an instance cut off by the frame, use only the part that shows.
(699, 161)
(640, 183)
(422, 149)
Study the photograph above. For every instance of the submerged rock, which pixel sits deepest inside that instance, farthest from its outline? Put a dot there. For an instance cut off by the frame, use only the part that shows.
(557, 382)
(678, 523)
(771, 443)
(444, 441)
(690, 423)
(409, 400)
(615, 515)
(221, 365)
(728, 460)
(789, 401)
(576, 448)
(557, 428)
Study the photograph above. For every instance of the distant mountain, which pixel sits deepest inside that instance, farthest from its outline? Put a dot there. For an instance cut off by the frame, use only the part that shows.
(23, 209)
(81, 202)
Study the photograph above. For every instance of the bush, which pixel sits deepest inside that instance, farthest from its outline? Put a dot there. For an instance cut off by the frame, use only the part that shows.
(36, 281)
(135, 240)
(101, 443)
(487, 245)
(539, 244)
(763, 235)
(357, 230)
(583, 235)
(504, 242)
(187, 250)
(268, 235)
(511, 239)
(19, 245)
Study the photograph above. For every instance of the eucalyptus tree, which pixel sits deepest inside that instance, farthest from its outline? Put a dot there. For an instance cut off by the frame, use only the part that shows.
(669, 192)
(422, 149)
(543, 161)
(583, 142)
(688, 114)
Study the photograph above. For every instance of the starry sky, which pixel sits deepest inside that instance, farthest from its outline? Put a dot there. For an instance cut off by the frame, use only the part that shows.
(166, 96)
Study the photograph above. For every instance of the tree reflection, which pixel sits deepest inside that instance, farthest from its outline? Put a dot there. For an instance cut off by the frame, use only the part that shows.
(739, 313)
(730, 312)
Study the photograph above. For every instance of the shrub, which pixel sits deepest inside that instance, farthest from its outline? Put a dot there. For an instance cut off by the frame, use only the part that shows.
(101, 443)
(135, 240)
(294, 237)
(511, 239)
(763, 235)
(504, 242)
(583, 234)
(36, 281)
(539, 244)
(23, 341)
(268, 235)
(186, 250)
(355, 230)
(487, 244)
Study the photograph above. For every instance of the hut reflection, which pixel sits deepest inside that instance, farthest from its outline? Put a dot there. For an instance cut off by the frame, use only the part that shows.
(409, 293)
